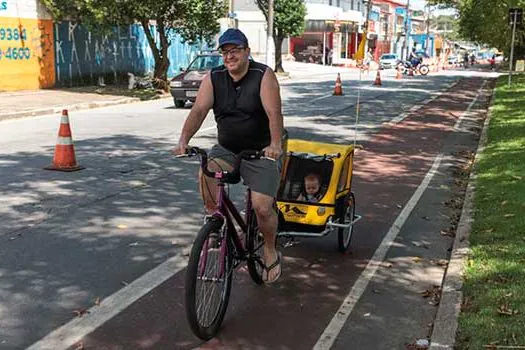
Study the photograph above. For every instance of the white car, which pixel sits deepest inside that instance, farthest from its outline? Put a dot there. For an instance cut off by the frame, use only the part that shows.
(388, 60)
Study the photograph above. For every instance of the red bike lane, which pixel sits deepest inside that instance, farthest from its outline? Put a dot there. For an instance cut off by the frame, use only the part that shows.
(293, 313)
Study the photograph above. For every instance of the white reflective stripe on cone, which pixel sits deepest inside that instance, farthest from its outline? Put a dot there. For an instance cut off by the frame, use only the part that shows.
(64, 140)
(64, 119)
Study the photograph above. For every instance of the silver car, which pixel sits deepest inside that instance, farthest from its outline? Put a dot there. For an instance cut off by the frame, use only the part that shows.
(388, 60)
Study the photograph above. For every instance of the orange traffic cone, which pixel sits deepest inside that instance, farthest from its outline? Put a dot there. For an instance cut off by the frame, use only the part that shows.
(64, 158)
(377, 82)
(338, 90)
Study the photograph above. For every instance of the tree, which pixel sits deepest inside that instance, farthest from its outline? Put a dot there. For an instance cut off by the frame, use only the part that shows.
(288, 21)
(485, 21)
(194, 20)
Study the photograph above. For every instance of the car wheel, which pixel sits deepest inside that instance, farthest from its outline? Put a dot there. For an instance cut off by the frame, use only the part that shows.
(179, 103)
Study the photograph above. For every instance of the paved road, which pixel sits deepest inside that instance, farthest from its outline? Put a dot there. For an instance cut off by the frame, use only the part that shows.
(72, 239)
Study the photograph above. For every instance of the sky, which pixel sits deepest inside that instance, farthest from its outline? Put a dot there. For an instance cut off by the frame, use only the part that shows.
(420, 5)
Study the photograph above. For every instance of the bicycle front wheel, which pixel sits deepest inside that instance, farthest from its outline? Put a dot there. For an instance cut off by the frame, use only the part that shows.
(208, 280)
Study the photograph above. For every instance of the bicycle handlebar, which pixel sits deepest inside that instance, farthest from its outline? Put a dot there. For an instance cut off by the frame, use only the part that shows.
(223, 175)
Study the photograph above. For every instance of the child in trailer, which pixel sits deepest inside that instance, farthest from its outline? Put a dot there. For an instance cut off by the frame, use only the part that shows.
(311, 189)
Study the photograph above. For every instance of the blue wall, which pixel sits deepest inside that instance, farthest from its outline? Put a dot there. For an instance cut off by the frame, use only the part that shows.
(81, 56)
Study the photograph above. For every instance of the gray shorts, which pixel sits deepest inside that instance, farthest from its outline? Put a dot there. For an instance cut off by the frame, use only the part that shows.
(260, 175)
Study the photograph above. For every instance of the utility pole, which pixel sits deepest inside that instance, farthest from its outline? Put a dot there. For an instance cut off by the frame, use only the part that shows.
(270, 52)
(515, 15)
(365, 25)
(428, 30)
(405, 42)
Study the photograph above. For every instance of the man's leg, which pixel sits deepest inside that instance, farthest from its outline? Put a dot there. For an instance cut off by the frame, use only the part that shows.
(267, 219)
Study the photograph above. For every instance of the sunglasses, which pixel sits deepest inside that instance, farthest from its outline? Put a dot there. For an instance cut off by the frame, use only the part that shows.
(233, 51)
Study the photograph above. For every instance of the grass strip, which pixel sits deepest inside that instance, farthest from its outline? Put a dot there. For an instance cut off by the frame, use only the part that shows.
(493, 310)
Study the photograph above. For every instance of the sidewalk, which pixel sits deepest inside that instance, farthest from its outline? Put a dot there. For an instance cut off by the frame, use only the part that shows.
(28, 103)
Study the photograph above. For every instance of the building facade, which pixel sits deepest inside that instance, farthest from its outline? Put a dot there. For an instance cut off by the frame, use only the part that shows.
(330, 25)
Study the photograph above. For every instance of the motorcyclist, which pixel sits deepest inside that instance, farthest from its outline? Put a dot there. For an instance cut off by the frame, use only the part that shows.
(413, 58)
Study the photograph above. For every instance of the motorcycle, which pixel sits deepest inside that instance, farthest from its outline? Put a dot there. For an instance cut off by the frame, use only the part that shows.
(405, 66)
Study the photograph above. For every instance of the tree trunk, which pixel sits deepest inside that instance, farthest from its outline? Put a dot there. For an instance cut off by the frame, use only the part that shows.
(278, 41)
(160, 55)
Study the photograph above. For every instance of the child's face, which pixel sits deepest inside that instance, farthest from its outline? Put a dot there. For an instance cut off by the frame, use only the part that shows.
(311, 186)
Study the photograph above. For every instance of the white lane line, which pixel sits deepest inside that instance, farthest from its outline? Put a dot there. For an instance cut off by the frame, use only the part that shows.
(402, 116)
(320, 98)
(73, 332)
(333, 329)
(467, 111)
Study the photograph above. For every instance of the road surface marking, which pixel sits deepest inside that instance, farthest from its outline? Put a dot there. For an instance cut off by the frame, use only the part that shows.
(467, 111)
(333, 329)
(74, 331)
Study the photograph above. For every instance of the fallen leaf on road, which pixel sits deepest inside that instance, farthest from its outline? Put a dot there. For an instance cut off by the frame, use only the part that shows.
(80, 312)
(442, 262)
(97, 301)
(387, 264)
(447, 233)
(426, 218)
(367, 314)
(376, 291)
(399, 206)
(124, 283)
(122, 226)
(134, 244)
(79, 346)
(416, 259)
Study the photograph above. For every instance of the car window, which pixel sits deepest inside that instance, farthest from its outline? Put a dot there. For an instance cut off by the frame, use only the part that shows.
(205, 62)
(388, 57)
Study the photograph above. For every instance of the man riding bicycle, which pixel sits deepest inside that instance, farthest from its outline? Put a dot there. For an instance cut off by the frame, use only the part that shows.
(246, 102)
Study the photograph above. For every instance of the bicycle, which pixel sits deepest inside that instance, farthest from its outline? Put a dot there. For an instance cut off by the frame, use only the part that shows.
(219, 240)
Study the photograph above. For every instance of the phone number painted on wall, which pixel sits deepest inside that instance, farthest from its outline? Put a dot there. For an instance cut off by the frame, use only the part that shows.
(12, 34)
(15, 53)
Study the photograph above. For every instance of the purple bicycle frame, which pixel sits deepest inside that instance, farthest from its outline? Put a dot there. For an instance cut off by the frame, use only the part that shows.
(225, 211)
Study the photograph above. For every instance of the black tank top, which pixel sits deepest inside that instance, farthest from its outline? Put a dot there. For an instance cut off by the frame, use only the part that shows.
(241, 119)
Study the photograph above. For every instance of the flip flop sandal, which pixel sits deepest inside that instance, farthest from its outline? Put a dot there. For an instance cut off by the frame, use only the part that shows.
(276, 263)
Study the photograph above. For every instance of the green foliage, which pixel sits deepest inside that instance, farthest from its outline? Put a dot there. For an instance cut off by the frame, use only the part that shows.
(194, 20)
(288, 17)
(485, 21)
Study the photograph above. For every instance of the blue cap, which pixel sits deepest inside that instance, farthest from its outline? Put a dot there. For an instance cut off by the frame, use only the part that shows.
(233, 36)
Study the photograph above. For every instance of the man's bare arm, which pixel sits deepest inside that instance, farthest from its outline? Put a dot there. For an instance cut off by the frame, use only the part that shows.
(271, 101)
(199, 111)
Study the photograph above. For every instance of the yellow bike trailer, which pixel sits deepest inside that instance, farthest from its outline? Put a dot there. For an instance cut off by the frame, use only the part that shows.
(315, 196)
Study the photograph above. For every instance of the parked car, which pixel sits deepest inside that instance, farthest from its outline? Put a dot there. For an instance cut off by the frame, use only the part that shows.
(453, 60)
(388, 60)
(185, 85)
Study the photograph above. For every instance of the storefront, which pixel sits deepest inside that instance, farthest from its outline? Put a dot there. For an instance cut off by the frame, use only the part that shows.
(331, 35)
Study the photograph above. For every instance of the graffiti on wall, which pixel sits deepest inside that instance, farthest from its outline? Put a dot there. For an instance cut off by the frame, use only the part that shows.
(82, 56)
(26, 54)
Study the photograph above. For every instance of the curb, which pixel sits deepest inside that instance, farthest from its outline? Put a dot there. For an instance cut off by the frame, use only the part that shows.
(73, 107)
(446, 321)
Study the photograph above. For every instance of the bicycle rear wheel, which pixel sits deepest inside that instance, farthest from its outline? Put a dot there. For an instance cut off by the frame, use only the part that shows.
(254, 245)
(208, 280)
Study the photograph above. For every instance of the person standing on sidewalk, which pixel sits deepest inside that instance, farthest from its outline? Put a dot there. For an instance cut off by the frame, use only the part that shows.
(246, 102)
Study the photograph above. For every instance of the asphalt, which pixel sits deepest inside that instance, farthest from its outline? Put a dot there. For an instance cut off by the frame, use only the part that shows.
(43, 102)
